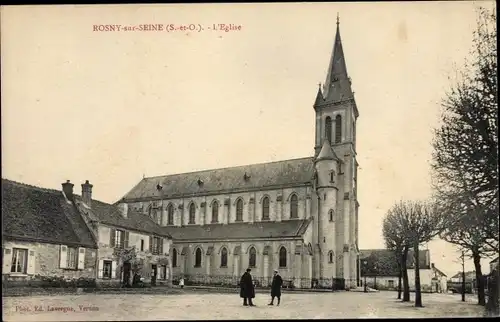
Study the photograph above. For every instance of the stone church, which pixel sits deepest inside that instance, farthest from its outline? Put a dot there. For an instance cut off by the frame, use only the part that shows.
(299, 216)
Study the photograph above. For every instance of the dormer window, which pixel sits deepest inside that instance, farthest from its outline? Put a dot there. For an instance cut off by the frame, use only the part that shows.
(200, 182)
(246, 177)
(159, 187)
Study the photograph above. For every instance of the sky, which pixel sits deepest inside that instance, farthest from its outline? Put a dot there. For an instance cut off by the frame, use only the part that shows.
(112, 107)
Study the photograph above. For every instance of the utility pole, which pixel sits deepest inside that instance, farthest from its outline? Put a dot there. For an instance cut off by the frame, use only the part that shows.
(463, 276)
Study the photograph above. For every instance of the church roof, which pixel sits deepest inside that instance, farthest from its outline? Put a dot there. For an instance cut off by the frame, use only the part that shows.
(326, 152)
(43, 215)
(244, 230)
(240, 178)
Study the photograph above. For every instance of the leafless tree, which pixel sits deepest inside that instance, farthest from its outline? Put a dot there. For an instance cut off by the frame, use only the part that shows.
(465, 157)
(415, 222)
(395, 242)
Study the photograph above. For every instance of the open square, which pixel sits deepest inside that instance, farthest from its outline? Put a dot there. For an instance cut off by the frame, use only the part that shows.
(196, 306)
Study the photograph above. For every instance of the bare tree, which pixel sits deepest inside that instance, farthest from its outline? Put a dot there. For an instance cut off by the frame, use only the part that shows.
(395, 242)
(419, 222)
(465, 158)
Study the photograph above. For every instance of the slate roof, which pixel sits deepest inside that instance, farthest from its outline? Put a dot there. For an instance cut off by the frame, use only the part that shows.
(111, 215)
(272, 174)
(287, 228)
(387, 263)
(42, 215)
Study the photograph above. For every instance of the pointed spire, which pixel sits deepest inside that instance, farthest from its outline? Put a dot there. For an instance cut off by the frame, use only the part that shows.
(319, 97)
(337, 85)
(326, 152)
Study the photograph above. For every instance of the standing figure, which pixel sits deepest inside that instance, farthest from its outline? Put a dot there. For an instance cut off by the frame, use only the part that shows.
(181, 282)
(247, 290)
(276, 288)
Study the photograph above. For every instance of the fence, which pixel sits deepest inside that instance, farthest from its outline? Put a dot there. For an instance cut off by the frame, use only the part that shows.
(259, 281)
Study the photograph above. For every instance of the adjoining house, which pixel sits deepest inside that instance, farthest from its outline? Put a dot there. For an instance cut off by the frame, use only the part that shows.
(380, 270)
(50, 232)
(44, 234)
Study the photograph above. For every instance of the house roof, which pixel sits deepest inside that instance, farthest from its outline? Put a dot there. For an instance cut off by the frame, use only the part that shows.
(287, 228)
(386, 261)
(468, 275)
(240, 178)
(494, 261)
(109, 214)
(42, 215)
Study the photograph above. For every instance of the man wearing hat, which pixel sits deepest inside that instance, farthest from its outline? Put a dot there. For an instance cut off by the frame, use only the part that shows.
(247, 290)
(276, 287)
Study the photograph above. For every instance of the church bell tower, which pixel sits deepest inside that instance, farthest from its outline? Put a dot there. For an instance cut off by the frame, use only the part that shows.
(336, 115)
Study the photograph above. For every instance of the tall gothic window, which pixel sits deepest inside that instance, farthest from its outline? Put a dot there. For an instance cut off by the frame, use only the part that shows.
(223, 257)
(338, 128)
(282, 254)
(328, 128)
(252, 257)
(215, 212)
(170, 215)
(265, 208)
(192, 213)
(294, 206)
(239, 210)
(197, 258)
(174, 258)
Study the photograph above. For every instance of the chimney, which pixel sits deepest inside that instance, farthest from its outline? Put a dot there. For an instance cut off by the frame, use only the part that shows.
(432, 265)
(87, 193)
(123, 209)
(67, 188)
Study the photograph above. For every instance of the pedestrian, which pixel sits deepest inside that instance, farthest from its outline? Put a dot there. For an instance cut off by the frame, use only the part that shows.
(181, 282)
(276, 287)
(247, 290)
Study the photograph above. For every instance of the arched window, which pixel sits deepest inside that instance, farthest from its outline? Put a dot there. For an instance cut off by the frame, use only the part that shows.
(215, 212)
(332, 176)
(330, 257)
(330, 215)
(328, 128)
(265, 208)
(197, 258)
(282, 253)
(239, 210)
(174, 258)
(338, 128)
(252, 257)
(170, 215)
(223, 257)
(192, 213)
(294, 207)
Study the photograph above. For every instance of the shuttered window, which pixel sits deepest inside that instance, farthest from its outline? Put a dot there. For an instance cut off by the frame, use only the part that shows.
(72, 258)
(170, 217)
(19, 261)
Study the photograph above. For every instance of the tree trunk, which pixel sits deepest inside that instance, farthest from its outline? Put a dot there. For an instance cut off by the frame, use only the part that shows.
(418, 294)
(400, 276)
(406, 286)
(479, 278)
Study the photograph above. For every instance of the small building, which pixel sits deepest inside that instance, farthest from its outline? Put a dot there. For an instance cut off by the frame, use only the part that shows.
(380, 270)
(43, 235)
(49, 232)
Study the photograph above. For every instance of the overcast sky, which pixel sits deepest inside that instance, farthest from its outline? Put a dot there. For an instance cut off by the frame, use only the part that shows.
(110, 107)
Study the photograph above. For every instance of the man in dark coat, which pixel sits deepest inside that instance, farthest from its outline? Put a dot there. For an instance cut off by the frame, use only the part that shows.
(276, 287)
(247, 290)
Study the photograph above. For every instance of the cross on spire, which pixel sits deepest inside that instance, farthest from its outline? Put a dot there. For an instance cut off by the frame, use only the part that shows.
(338, 19)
